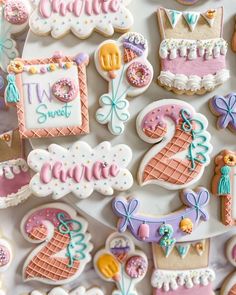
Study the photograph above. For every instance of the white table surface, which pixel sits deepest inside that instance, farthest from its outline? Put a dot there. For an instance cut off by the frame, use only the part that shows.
(146, 24)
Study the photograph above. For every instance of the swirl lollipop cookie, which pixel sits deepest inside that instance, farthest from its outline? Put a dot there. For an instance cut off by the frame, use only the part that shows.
(119, 262)
(181, 144)
(124, 65)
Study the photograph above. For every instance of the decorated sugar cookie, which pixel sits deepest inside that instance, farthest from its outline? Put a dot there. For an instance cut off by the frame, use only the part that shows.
(192, 52)
(78, 291)
(50, 95)
(183, 274)
(187, 2)
(64, 244)
(181, 144)
(58, 18)
(121, 263)
(80, 170)
(14, 17)
(124, 65)
(165, 230)
(14, 171)
(233, 42)
(223, 185)
(229, 284)
(224, 107)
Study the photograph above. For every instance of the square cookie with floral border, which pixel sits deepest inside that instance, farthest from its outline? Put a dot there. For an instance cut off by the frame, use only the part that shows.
(50, 95)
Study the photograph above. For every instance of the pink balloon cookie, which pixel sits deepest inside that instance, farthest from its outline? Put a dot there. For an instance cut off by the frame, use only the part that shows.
(50, 95)
(119, 262)
(14, 17)
(181, 144)
(80, 170)
(58, 18)
(192, 52)
(64, 248)
(14, 171)
(223, 185)
(124, 65)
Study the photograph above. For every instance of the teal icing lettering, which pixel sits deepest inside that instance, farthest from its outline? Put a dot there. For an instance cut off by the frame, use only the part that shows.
(42, 110)
(39, 110)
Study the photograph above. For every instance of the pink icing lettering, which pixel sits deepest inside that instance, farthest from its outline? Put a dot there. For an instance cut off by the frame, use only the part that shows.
(98, 171)
(78, 7)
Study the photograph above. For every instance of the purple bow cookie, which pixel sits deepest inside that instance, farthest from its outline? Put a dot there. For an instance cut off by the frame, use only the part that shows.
(225, 108)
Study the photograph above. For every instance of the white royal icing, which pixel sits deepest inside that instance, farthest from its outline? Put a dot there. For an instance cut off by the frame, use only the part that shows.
(193, 82)
(78, 291)
(10, 168)
(169, 280)
(80, 17)
(191, 49)
(80, 154)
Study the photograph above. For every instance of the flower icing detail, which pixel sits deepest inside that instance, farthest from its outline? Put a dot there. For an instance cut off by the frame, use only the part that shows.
(225, 108)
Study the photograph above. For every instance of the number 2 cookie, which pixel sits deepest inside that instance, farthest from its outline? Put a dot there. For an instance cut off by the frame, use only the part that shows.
(124, 65)
(64, 244)
(181, 144)
(81, 17)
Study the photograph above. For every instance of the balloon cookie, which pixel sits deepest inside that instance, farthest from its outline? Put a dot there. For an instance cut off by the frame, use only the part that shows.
(78, 291)
(192, 52)
(181, 144)
(58, 18)
(165, 230)
(80, 170)
(224, 107)
(124, 65)
(14, 17)
(64, 244)
(14, 171)
(229, 285)
(223, 185)
(119, 262)
(50, 95)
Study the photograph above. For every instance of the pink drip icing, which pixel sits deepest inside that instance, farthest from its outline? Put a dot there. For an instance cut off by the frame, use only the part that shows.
(37, 218)
(78, 7)
(156, 117)
(98, 171)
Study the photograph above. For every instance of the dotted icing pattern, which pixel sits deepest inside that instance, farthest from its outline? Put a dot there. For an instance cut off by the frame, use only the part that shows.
(102, 16)
(80, 170)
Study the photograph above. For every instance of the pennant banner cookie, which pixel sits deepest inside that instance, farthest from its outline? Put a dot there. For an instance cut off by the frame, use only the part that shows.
(64, 244)
(59, 17)
(125, 66)
(50, 95)
(164, 230)
(181, 144)
(192, 52)
(121, 263)
(80, 170)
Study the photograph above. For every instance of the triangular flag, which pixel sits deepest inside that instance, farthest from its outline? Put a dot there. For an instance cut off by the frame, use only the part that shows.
(182, 249)
(173, 16)
(199, 247)
(167, 246)
(210, 16)
(191, 19)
